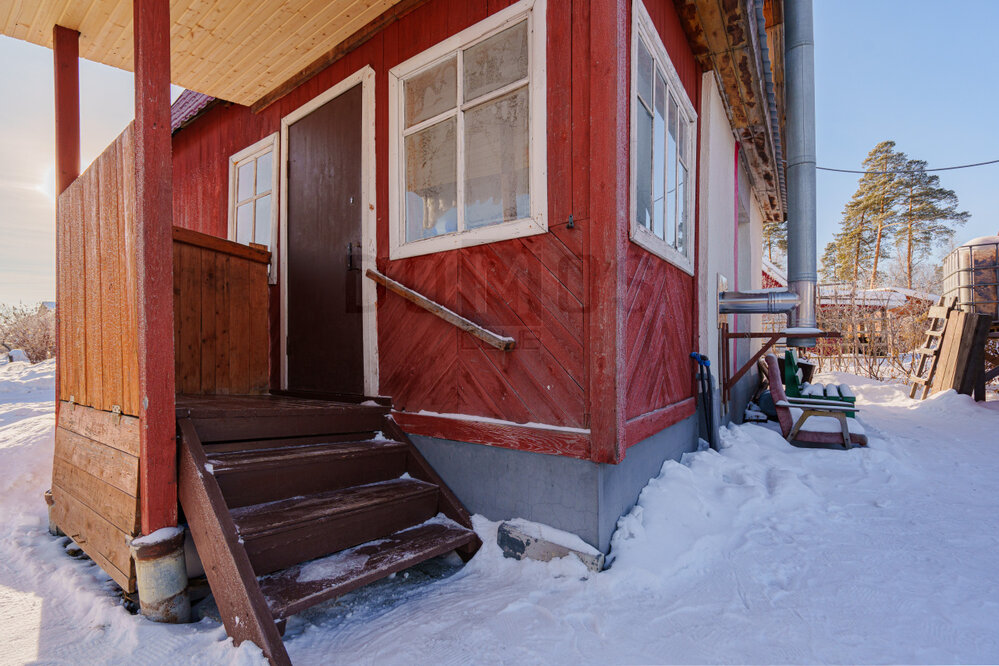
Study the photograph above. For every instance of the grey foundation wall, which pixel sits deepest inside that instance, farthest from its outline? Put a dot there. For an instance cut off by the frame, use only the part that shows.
(577, 496)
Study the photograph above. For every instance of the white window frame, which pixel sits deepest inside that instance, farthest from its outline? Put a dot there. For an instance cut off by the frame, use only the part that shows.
(537, 223)
(643, 28)
(268, 143)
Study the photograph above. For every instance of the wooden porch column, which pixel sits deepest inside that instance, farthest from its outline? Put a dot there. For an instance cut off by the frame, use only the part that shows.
(154, 222)
(608, 233)
(66, 52)
(66, 70)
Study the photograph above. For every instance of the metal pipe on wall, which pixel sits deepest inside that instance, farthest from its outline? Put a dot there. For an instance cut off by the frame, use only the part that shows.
(757, 301)
(799, 76)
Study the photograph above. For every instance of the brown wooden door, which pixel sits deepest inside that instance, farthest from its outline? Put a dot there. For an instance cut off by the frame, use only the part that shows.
(325, 333)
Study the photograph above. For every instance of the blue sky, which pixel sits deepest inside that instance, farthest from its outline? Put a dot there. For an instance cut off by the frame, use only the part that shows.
(921, 73)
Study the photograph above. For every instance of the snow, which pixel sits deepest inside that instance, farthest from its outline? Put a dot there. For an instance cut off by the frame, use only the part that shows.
(757, 553)
(159, 536)
(826, 423)
(486, 419)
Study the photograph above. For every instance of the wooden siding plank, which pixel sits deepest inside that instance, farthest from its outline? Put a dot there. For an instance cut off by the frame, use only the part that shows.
(113, 467)
(112, 504)
(104, 427)
(223, 376)
(103, 542)
(259, 337)
(107, 205)
(77, 278)
(130, 305)
(208, 280)
(239, 321)
(92, 289)
(187, 364)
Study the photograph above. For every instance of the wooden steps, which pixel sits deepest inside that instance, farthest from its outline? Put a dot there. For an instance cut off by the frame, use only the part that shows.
(328, 497)
(299, 587)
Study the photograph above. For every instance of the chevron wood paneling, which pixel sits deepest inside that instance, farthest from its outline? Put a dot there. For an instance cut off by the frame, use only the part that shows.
(659, 306)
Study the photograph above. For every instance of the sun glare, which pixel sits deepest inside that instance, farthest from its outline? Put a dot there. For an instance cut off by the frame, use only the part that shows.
(47, 186)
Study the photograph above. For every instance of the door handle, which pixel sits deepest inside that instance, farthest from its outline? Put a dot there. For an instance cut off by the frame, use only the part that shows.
(350, 257)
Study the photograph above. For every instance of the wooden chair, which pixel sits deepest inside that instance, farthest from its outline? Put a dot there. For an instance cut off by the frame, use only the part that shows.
(827, 425)
(796, 387)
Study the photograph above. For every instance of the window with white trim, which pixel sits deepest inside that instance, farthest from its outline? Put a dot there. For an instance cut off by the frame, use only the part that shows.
(663, 129)
(253, 201)
(467, 142)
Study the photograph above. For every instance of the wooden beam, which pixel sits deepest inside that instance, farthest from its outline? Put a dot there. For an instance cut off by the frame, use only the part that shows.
(66, 69)
(66, 53)
(154, 221)
(607, 236)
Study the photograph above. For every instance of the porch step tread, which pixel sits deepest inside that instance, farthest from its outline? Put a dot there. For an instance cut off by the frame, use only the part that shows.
(261, 519)
(279, 456)
(304, 585)
(926, 351)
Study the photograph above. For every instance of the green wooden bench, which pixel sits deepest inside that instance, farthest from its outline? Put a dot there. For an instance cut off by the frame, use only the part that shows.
(796, 387)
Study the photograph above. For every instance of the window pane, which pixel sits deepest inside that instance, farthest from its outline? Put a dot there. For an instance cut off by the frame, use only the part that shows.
(431, 181)
(644, 66)
(497, 163)
(244, 223)
(643, 167)
(244, 181)
(682, 140)
(262, 228)
(671, 183)
(265, 172)
(431, 92)
(496, 62)
(681, 207)
(659, 153)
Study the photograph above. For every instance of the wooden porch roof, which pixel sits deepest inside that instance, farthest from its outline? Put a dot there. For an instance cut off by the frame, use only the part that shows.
(231, 49)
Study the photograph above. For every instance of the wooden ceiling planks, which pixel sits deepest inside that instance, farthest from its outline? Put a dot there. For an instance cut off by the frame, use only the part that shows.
(229, 49)
(723, 36)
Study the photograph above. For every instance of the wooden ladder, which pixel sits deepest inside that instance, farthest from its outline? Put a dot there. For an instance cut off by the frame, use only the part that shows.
(334, 491)
(921, 375)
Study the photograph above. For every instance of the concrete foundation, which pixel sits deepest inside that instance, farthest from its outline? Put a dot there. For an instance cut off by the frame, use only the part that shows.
(577, 496)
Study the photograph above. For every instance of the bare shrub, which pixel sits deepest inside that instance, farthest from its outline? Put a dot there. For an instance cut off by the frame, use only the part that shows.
(29, 328)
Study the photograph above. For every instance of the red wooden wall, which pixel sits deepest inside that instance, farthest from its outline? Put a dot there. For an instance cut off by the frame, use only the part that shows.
(533, 288)
(660, 303)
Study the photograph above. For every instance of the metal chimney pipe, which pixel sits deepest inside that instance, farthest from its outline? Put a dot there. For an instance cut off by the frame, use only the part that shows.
(799, 73)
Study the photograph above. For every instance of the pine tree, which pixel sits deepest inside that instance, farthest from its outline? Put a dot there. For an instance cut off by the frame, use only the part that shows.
(775, 237)
(927, 216)
(880, 190)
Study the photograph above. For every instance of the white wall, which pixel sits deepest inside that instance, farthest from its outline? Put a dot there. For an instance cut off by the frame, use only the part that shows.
(717, 212)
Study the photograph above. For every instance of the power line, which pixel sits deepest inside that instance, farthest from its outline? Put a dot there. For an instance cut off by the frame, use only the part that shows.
(887, 173)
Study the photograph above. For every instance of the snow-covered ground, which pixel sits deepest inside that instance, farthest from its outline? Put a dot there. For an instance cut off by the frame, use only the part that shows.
(760, 553)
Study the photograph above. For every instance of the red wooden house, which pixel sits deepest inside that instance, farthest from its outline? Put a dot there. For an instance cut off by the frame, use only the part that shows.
(490, 231)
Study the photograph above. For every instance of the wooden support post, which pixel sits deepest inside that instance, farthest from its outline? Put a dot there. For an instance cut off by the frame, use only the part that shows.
(66, 53)
(606, 236)
(154, 222)
(66, 70)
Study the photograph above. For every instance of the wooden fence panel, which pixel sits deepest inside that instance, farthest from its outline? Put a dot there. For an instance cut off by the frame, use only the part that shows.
(221, 321)
(98, 319)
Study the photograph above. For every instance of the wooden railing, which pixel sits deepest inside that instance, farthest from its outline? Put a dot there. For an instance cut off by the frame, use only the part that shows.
(496, 340)
(221, 322)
